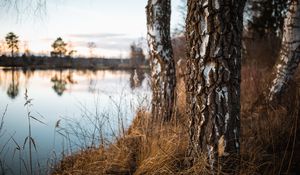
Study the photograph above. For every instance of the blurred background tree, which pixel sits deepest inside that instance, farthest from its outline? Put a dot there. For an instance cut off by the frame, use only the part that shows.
(263, 29)
(265, 17)
(91, 46)
(137, 56)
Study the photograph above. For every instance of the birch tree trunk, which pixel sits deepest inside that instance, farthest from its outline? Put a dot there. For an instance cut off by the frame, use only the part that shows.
(162, 62)
(214, 31)
(289, 54)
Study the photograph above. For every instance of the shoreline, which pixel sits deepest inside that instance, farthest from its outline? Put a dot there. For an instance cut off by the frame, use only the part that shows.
(57, 63)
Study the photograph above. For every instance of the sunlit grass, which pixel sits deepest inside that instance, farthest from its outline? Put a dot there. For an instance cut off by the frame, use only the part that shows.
(268, 140)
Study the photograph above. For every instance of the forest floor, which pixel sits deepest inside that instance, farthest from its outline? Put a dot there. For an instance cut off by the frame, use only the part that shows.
(270, 138)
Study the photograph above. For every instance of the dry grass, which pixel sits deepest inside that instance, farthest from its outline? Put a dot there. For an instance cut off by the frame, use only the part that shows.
(270, 138)
(269, 141)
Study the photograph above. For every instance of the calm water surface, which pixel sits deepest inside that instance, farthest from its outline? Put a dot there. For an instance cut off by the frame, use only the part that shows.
(87, 104)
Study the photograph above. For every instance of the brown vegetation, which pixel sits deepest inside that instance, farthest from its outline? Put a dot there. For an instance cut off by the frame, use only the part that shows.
(270, 141)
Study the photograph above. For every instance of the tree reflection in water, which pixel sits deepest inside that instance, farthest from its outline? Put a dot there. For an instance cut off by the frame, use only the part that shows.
(13, 88)
(60, 82)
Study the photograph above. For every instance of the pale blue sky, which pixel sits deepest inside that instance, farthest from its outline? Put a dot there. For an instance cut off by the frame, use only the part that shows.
(112, 24)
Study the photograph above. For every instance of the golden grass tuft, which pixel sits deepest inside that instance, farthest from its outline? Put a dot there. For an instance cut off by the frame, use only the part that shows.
(269, 139)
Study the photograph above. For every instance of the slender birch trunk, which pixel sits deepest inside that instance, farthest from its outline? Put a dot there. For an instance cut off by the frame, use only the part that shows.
(214, 32)
(289, 54)
(162, 62)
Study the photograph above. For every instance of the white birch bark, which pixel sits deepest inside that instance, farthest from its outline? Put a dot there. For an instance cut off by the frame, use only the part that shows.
(162, 63)
(289, 54)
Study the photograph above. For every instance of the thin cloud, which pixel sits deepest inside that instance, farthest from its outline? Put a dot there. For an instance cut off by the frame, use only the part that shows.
(109, 44)
(47, 39)
(97, 35)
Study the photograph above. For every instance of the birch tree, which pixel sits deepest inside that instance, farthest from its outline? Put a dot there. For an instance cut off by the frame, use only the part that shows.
(266, 16)
(162, 62)
(289, 54)
(213, 32)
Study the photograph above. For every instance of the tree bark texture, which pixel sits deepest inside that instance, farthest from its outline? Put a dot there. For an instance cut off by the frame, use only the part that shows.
(163, 77)
(213, 32)
(289, 56)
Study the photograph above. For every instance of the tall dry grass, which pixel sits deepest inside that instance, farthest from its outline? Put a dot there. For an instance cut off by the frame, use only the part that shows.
(269, 140)
(4, 143)
(270, 136)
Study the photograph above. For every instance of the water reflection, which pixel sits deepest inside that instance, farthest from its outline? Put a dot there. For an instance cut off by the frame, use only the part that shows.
(28, 73)
(13, 88)
(59, 82)
(92, 85)
(15, 80)
(68, 94)
(137, 76)
(70, 78)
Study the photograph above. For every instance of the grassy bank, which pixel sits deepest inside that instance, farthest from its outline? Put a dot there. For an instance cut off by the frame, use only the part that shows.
(270, 139)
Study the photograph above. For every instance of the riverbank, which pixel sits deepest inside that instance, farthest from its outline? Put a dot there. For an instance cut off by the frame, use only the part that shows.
(64, 100)
(70, 63)
(270, 140)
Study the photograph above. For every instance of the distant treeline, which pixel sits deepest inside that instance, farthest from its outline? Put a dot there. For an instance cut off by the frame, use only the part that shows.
(39, 62)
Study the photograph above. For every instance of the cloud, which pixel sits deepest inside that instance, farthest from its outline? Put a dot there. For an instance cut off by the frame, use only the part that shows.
(47, 39)
(97, 35)
(107, 43)
(110, 43)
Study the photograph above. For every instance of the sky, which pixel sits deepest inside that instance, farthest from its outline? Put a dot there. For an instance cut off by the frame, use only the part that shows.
(111, 24)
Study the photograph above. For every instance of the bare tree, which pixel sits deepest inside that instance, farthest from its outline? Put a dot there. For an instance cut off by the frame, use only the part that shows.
(162, 62)
(137, 57)
(213, 33)
(289, 55)
(91, 46)
(26, 51)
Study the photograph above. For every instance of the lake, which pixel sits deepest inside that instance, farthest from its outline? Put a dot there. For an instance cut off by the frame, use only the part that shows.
(71, 110)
